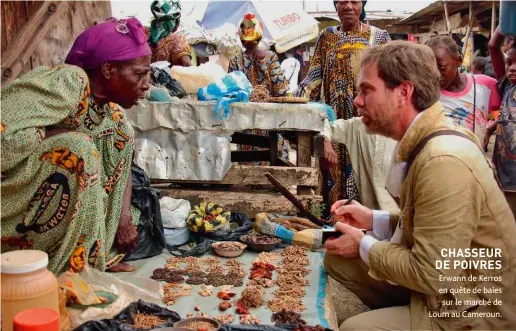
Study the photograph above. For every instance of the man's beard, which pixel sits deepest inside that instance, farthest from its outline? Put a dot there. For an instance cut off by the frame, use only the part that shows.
(383, 126)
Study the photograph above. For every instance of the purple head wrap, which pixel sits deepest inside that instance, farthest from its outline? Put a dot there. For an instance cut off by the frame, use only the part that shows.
(112, 40)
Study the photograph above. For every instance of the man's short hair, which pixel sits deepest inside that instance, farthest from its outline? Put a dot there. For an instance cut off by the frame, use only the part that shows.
(400, 61)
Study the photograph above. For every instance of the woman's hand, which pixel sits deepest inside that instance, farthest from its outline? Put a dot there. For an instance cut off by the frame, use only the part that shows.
(491, 128)
(127, 235)
(329, 153)
(51, 131)
(354, 214)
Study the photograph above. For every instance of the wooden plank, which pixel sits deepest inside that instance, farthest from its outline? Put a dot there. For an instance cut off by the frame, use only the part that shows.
(273, 148)
(20, 51)
(252, 175)
(304, 157)
(249, 156)
(14, 18)
(304, 149)
(250, 203)
(249, 139)
(66, 26)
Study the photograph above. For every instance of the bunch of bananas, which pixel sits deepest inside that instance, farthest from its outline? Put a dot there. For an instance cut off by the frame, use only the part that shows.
(207, 217)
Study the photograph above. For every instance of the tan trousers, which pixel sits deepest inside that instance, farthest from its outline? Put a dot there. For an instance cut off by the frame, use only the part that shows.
(389, 303)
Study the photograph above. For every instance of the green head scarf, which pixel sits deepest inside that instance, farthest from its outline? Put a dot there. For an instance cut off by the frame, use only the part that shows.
(166, 16)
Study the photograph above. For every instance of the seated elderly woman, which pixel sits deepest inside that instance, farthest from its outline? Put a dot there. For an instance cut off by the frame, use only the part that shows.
(67, 151)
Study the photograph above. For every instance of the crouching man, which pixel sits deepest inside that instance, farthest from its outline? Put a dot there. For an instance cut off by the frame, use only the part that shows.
(448, 261)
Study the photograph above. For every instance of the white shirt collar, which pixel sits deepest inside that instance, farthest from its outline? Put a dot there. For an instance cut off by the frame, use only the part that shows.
(398, 170)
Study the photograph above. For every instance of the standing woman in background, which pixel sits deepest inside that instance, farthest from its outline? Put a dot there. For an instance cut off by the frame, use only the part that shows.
(167, 45)
(331, 79)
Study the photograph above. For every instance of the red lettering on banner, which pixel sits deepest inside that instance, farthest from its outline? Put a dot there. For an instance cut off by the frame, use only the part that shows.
(284, 21)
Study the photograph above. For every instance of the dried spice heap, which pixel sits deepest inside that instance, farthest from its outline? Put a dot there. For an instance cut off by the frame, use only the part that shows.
(146, 321)
(259, 238)
(172, 292)
(163, 274)
(285, 317)
(209, 271)
(224, 318)
(252, 296)
(291, 280)
(261, 270)
(201, 326)
(267, 257)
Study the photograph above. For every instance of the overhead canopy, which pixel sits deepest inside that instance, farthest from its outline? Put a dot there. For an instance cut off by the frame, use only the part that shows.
(283, 24)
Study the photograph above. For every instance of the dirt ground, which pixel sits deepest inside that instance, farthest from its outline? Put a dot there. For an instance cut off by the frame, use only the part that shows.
(346, 303)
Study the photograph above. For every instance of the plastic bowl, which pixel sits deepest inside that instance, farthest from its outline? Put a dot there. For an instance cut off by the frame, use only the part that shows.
(258, 248)
(186, 322)
(228, 253)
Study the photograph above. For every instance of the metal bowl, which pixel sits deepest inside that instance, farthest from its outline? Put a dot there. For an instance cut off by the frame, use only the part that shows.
(186, 322)
(256, 247)
(228, 253)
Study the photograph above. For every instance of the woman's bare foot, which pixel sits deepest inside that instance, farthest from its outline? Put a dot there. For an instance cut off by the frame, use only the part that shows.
(122, 267)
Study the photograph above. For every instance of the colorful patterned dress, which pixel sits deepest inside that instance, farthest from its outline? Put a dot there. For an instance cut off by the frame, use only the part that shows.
(63, 194)
(171, 48)
(266, 72)
(331, 79)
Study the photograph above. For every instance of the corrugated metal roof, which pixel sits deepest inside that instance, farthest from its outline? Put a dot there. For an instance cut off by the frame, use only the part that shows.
(371, 15)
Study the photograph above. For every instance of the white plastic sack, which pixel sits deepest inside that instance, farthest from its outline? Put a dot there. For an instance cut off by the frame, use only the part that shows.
(174, 212)
(194, 78)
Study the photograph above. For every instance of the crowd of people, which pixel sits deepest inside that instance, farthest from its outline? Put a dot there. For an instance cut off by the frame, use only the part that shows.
(408, 149)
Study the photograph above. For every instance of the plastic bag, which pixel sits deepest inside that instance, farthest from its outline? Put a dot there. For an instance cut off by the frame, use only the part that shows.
(194, 78)
(233, 87)
(133, 287)
(203, 241)
(161, 78)
(174, 212)
(151, 237)
(125, 319)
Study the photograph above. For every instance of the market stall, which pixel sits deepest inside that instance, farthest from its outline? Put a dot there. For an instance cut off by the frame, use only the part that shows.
(187, 147)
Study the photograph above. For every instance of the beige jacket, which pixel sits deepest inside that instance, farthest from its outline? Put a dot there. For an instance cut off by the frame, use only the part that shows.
(450, 199)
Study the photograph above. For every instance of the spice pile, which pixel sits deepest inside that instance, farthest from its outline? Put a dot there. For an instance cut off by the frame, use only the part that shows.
(201, 326)
(259, 238)
(285, 317)
(229, 246)
(291, 280)
(209, 272)
(146, 321)
(172, 292)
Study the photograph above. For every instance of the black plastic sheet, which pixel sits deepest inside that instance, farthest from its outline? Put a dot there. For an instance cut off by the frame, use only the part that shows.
(125, 319)
(237, 327)
(151, 236)
(203, 241)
